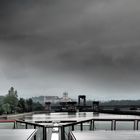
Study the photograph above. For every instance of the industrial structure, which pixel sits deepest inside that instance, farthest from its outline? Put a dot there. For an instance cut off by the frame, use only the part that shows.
(66, 104)
(95, 106)
(83, 97)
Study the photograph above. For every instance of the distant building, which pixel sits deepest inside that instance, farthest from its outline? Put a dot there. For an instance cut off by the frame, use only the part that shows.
(51, 99)
(65, 98)
(56, 99)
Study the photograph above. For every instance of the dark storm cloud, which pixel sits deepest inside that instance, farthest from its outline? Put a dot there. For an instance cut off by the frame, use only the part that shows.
(96, 39)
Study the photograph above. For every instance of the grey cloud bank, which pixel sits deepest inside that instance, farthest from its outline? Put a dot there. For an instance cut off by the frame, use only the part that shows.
(87, 47)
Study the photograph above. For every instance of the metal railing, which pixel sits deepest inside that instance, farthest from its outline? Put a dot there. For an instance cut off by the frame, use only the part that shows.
(99, 124)
(43, 132)
(7, 124)
(42, 129)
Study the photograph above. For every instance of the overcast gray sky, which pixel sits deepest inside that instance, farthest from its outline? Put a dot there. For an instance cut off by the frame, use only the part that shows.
(89, 47)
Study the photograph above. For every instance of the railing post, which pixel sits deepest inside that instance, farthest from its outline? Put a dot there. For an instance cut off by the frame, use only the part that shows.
(137, 125)
(26, 126)
(81, 126)
(14, 124)
(93, 125)
(134, 127)
(59, 138)
(72, 127)
(44, 133)
(35, 134)
(62, 133)
(114, 124)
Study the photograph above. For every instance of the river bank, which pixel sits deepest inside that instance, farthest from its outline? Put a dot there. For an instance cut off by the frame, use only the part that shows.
(15, 116)
(121, 112)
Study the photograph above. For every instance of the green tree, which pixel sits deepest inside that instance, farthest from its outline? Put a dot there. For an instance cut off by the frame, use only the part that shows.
(29, 103)
(1, 100)
(37, 106)
(12, 99)
(1, 110)
(6, 108)
(22, 105)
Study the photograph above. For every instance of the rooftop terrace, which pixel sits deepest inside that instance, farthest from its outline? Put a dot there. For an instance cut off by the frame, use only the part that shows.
(105, 135)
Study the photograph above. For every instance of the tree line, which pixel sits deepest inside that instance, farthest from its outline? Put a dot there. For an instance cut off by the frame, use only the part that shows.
(10, 103)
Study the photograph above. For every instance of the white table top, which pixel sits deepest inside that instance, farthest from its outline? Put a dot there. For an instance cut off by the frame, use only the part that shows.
(17, 134)
(106, 135)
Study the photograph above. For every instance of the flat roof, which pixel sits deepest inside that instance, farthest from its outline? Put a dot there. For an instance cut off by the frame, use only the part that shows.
(106, 135)
(17, 134)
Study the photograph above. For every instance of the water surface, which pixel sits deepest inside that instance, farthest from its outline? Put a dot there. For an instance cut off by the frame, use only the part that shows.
(78, 116)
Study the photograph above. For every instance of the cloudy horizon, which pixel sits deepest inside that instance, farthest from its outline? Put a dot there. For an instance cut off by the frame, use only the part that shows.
(81, 47)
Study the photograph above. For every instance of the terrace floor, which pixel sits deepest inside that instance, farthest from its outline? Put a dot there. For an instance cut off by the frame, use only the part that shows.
(105, 135)
(17, 134)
